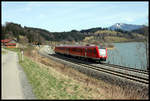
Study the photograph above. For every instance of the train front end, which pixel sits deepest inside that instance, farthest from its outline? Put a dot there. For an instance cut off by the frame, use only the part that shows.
(102, 53)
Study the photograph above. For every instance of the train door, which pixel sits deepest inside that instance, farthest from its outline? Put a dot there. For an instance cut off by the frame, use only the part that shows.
(82, 51)
(85, 52)
(67, 51)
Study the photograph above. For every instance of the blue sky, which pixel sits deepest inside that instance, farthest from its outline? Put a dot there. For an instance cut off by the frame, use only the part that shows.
(66, 16)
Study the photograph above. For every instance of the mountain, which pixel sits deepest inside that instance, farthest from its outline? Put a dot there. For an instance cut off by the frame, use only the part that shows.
(125, 27)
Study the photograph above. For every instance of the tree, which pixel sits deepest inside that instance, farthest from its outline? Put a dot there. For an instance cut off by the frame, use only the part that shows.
(23, 40)
(3, 32)
(40, 40)
(74, 31)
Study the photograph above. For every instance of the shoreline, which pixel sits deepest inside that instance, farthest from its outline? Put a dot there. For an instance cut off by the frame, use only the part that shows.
(110, 48)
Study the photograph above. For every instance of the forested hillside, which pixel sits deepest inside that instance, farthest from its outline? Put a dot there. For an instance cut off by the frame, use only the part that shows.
(13, 30)
(29, 34)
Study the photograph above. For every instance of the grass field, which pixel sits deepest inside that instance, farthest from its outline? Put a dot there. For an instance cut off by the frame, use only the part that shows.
(13, 49)
(4, 52)
(49, 84)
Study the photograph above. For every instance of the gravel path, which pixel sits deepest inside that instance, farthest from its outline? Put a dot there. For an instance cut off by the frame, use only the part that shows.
(14, 81)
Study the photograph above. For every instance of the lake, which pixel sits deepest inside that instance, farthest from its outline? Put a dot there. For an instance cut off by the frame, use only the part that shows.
(131, 54)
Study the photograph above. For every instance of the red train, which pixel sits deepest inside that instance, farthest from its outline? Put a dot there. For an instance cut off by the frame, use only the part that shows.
(87, 52)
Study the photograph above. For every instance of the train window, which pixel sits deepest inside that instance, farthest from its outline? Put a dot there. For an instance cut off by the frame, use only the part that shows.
(89, 50)
(73, 49)
(78, 49)
(94, 50)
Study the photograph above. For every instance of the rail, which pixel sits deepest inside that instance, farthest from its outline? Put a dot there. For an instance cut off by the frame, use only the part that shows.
(136, 75)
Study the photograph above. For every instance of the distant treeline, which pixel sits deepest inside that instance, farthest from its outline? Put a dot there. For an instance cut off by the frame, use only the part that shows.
(29, 34)
(13, 30)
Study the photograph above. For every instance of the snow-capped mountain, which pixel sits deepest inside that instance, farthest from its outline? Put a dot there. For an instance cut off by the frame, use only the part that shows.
(125, 27)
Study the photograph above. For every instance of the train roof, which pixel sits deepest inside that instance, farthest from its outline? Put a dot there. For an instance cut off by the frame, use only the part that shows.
(78, 46)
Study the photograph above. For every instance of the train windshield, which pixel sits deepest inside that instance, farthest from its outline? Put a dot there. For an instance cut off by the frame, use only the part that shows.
(102, 51)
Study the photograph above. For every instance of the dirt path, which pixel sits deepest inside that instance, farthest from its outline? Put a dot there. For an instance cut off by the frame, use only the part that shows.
(14, 81)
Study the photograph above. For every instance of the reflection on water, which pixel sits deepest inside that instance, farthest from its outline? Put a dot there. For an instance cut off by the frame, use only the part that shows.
(132, 54)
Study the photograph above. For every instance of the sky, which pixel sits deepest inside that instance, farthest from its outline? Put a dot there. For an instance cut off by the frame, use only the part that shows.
(67, 16)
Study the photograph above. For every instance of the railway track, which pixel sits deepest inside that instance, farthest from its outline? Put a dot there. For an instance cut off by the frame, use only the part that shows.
(127, 68)
(128, 74)
(135, 75)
